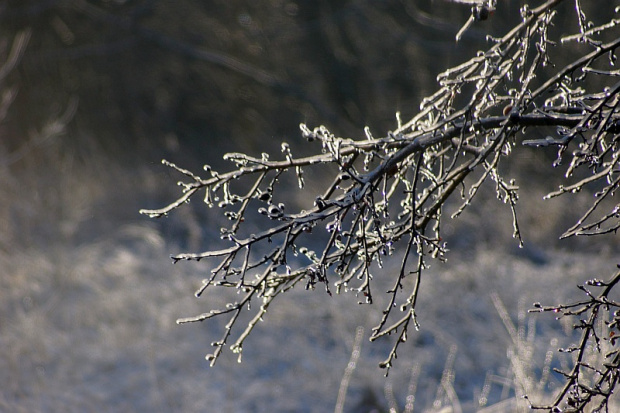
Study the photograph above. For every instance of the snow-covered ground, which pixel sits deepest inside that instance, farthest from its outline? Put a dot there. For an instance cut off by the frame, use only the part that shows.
(89, 299)
(92, 328)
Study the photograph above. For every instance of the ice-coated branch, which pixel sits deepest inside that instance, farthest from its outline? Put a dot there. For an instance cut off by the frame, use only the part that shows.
(382, 198)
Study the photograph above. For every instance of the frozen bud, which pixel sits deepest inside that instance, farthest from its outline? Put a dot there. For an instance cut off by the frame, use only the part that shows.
(320, 203)
(332, 226)
(481, 12)
(307, 133)
(274, 211)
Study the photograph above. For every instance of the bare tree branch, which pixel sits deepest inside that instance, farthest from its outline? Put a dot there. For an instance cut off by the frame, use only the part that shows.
(388, 194)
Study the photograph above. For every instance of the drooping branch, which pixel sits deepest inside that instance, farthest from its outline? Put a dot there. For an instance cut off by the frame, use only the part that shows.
(590, 381)
(388, 194)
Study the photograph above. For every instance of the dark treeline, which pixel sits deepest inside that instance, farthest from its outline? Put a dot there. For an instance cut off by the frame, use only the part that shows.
(152, 75)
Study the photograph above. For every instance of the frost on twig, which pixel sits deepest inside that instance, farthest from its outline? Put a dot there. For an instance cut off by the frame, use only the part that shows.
(591, 380)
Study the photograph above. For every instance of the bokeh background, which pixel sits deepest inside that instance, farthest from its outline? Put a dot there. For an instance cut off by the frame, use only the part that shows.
(104, 89)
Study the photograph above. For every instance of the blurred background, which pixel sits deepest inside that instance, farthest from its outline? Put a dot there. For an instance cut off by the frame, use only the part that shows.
(94, 93)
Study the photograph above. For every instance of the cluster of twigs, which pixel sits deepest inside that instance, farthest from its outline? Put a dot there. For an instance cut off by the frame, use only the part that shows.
(388, 195)
(595, 371)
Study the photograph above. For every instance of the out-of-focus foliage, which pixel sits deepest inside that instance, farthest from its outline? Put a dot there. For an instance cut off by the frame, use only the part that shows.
(144, 79)
(149, 72)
